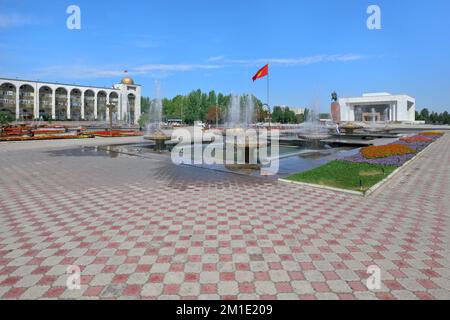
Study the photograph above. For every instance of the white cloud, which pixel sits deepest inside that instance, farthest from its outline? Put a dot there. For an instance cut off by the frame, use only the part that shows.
(174, 67)
(77, 72)
(16, 20)
(92, 72)
(82, 71)
(144, 44)
(216, 58)
(299, 61)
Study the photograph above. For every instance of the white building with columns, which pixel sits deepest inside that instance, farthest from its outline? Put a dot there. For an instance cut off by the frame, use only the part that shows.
(28, 100)
(382, 106)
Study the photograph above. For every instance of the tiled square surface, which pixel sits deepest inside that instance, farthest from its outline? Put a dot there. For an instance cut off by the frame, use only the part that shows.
(142, 228)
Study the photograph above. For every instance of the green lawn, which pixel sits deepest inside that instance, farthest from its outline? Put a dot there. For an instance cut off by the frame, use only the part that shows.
(345, 175)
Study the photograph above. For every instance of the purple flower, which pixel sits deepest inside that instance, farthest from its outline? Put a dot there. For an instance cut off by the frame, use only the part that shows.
(417, 145)
(396, 161)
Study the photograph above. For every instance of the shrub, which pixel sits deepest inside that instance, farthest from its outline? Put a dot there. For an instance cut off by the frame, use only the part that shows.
(5, 120)
(115, 133)
(374, 152)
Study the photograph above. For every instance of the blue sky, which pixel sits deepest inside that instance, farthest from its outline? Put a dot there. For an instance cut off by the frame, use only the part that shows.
(313, 47)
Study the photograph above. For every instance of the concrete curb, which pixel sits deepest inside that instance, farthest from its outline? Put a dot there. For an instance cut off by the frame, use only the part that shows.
(318, 186)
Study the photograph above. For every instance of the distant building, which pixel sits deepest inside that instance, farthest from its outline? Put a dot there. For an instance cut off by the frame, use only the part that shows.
(382, 106)
(29, 100)
(297, 110)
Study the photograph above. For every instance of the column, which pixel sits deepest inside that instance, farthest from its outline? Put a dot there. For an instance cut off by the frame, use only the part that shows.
(96, 106)
(82, 105)
(68, 104)
(17, 104)
(395, 112)
(107, 110)
(137, 109)
(119, 107)
(36, 101)
(54, 105)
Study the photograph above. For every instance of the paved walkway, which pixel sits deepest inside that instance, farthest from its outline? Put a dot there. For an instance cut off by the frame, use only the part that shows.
(139, 228)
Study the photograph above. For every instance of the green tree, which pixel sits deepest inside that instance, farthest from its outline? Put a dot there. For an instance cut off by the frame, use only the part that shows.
(145, 104)
(196, 105)
(192, 107)
(5, 120)
(277, 114)
(425, 115)
(306, 114)
(214, 115)
(445, 118)
(418, 117)
(204, 106)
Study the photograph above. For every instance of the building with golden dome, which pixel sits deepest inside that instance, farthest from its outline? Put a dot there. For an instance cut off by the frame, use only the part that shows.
(28, 100)
(127, 81)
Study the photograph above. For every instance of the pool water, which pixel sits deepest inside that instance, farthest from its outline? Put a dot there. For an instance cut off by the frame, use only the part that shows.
(291, 159)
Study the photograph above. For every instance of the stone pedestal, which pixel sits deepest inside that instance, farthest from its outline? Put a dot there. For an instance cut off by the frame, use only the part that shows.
(336, 112)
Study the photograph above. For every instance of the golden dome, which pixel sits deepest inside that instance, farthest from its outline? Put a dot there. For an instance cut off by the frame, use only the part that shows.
(127, 80)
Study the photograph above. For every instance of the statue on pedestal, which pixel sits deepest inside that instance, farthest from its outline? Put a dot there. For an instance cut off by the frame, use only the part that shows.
(335, 108)
(334, 96)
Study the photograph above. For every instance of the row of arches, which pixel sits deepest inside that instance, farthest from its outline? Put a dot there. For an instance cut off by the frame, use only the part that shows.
(59, 100)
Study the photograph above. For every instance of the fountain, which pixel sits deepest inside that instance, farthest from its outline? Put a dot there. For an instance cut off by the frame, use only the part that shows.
(241, 112)
(373, 123)
(154, 131)
(312, 131)
(241, 116)
(350, 127)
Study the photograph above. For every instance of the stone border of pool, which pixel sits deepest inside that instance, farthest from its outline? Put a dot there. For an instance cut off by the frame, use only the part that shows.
(370, 190)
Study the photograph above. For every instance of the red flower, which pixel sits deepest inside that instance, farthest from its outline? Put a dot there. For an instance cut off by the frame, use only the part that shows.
(416, 139)
(374, 152)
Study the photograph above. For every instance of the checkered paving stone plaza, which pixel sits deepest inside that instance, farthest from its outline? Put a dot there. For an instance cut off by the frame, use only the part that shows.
(145, 229)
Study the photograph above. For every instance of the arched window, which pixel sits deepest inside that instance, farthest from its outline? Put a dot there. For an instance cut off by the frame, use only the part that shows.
(131, 108)
(45, 102)
(89, 105)
(61, 104)
(26, 102)
(75, 105)
(101, 105)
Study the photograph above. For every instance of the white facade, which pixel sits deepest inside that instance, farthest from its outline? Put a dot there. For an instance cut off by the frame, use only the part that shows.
(382, 106)
(29, 100)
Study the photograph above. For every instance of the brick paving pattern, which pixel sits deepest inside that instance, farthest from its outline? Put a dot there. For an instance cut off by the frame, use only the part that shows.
(146, 229)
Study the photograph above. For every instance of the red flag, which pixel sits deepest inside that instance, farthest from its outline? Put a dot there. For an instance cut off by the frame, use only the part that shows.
(263, 72)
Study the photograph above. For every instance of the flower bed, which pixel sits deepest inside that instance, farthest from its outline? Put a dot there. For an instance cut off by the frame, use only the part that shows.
(369, 166)
(404, 150)
(39, 131)
(116, 133)
(19, 131)
(397, 160)
(432, 133)
(417, 145)
(416, 139)
(46, 137)
(375, 152)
